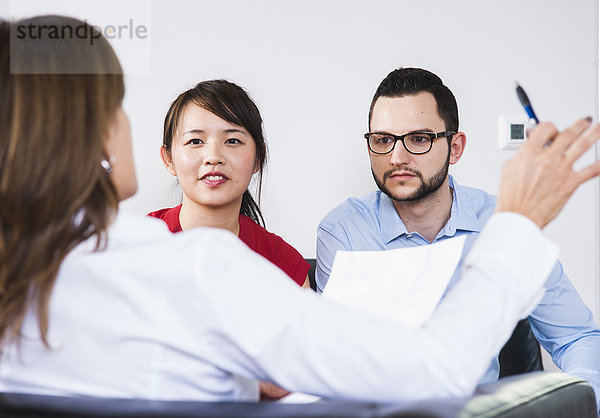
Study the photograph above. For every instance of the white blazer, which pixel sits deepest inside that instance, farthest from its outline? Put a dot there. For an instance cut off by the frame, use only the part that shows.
(199, 316)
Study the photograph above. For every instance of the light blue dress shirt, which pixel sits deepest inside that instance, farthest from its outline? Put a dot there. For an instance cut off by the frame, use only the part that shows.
(562, 323)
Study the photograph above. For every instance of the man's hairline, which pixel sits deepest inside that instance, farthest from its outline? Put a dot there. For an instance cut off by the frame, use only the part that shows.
(398, 96)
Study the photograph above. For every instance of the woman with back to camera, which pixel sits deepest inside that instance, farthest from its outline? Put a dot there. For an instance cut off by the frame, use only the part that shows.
(213, 143)
(101, 303)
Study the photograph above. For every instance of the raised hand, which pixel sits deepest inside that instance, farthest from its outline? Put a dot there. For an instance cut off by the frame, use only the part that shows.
(539, 179)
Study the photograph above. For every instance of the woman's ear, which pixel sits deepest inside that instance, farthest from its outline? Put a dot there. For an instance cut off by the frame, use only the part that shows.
(118, 155)
(110, 138)
(167, 160)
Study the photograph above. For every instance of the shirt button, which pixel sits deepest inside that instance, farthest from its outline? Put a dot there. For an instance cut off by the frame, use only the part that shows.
(409, 236)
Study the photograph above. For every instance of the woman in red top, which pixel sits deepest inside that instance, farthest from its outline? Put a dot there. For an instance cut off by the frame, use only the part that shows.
(213, 143)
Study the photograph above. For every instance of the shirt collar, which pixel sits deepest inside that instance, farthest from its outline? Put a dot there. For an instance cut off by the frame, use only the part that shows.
(462, 216)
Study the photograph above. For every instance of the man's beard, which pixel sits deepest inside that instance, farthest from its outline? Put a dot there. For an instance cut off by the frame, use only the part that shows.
(425, 189)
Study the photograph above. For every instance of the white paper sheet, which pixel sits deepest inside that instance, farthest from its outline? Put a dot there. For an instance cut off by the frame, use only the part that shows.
(404, 284)
(299, 397)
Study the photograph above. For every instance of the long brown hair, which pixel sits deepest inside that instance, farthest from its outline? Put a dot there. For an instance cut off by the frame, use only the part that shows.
(54, 193)
(230, 102)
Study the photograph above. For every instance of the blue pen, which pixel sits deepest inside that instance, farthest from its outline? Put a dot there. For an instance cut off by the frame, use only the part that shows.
(533, 120)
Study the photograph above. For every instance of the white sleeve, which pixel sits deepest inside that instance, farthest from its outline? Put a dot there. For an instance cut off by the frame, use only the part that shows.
(263, 326)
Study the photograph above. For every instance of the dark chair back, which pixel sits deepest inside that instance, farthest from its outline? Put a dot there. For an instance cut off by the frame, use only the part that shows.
(521, 354)
(311, 273)
(548, 395)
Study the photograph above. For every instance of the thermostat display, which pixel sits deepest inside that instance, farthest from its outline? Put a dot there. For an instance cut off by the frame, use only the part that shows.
(511, 131)
(517, 131)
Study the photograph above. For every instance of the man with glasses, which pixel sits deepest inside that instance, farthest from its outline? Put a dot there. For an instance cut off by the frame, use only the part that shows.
(413, 138)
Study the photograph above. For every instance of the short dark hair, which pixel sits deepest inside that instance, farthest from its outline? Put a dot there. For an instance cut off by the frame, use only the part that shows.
(230, 102)
(411, 81)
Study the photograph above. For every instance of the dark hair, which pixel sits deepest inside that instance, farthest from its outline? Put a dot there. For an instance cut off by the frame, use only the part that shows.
(54, 192)
(411, 81)
(231, 103)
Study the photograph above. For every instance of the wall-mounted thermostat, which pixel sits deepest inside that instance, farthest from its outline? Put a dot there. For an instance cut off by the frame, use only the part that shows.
(511, 130)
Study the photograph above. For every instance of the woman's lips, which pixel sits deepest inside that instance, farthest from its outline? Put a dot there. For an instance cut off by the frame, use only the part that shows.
(213, 179)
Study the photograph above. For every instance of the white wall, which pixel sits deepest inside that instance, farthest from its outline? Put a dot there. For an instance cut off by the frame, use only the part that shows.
(312, 66)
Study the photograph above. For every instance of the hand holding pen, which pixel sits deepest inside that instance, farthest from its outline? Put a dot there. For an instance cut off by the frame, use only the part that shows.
(540, 177)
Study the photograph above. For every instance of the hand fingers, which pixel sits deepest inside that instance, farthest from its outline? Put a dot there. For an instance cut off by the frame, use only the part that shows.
(540, 135)
(569, 135)
(272, 391)
(587, 173)
(582, 144)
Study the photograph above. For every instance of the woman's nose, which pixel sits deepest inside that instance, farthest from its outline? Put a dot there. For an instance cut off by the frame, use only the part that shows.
(213, 154)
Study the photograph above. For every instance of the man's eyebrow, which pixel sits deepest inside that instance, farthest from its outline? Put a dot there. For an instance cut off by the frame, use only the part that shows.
(381, 131)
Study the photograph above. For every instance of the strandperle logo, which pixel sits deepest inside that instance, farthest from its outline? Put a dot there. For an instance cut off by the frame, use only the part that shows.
(89, 32)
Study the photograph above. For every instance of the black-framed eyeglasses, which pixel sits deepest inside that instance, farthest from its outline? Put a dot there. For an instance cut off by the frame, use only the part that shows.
(414, 142)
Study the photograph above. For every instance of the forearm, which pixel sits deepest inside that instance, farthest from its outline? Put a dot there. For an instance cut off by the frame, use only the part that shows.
(447, 356)
(582, 359)
(501, 282)
(319, 347)
(565, 327)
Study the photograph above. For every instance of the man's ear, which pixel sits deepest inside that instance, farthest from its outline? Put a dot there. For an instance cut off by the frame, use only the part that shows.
(167, 160)
(457, 146)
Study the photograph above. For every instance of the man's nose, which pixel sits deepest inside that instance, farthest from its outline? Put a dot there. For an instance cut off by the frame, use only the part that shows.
(399, 155)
